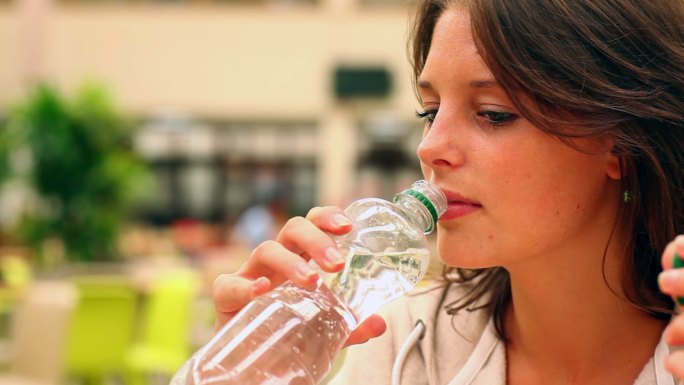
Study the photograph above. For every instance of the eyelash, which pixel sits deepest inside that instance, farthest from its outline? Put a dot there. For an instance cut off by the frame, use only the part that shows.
(428, 116)
(492, 119)
(497, 119)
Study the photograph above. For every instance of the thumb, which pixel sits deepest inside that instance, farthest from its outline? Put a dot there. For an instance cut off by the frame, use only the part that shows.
(373, 326)
(231, 293)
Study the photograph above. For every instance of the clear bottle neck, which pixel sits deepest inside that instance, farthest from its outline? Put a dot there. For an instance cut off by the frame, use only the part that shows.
(416, 211)
(424, 203)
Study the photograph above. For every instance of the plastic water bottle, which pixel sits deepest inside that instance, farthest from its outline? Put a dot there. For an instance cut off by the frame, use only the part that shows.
(292, 335)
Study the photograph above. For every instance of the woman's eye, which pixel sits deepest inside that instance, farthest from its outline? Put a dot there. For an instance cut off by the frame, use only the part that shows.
(428, 116)
(497, 118)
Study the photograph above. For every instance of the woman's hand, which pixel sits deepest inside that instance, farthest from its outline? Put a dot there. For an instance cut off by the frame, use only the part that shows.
(671, 281)
(274, 262)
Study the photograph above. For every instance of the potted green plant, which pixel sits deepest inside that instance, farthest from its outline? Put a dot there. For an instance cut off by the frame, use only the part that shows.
(83, 172)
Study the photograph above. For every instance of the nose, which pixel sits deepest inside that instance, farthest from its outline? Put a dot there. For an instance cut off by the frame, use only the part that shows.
(439, 147)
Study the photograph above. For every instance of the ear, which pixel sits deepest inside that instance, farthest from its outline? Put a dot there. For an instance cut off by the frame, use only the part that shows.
(614, 165)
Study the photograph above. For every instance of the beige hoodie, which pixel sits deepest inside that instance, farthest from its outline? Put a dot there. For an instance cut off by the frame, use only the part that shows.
(455, 350)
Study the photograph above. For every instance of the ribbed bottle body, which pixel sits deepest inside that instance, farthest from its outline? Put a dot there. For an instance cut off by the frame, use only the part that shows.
(290, 336)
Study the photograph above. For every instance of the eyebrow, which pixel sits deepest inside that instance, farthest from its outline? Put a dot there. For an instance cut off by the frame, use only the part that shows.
(485, 83)
(480, 83)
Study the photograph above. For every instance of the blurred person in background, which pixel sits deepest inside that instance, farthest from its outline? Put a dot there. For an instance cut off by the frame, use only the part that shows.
(556, 130)
(259, 222)
(263, 218)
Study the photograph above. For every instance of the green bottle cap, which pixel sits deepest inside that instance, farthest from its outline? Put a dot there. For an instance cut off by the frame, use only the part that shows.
(425, 201)
(678, 263)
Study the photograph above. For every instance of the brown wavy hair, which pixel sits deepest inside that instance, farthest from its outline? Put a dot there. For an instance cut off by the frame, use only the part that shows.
(590, 68)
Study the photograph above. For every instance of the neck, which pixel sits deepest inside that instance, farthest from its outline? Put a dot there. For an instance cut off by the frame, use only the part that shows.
(571, 319)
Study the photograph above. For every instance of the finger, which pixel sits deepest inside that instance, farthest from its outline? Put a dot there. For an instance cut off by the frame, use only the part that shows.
(674, 363)
(672, 282)
(676, 246)
(674, 333)
(304, 237)
(330, 219)
(273, 260)
(373, 326)
(232, 292)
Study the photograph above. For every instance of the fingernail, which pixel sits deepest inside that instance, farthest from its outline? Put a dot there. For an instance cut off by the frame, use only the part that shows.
(340, 220)
(679, 244)
(334, 255)
(679, 240)
(667, 280)
(305, 271)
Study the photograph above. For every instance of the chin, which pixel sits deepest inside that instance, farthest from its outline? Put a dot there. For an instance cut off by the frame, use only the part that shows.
(455, 258)
(465, 257)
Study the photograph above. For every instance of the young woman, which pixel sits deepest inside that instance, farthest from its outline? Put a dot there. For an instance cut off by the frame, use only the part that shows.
(556, 130)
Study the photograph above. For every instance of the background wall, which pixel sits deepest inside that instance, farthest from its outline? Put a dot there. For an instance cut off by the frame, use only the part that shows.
(234, 108)
(226, 61)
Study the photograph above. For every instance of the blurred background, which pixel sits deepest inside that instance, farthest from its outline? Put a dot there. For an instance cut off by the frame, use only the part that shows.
(147, 145)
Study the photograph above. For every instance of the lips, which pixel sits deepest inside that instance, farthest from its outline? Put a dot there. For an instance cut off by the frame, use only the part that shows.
(458, 206)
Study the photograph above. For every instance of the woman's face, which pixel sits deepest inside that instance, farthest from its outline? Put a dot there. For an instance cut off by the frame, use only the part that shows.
(515, 192)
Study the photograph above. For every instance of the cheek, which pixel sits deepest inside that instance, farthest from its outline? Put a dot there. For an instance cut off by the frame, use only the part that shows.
(427, 171)
(544, 175)
(551, 202)
(539, 200)
(543, 195)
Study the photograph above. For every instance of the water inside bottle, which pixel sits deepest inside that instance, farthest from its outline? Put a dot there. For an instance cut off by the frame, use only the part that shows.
(372, 279)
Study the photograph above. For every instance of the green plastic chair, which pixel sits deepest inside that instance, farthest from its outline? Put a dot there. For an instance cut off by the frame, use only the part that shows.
(101, 330)
(16, 275)
(16, 271)
(166, 326)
